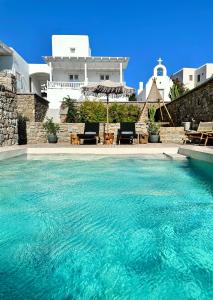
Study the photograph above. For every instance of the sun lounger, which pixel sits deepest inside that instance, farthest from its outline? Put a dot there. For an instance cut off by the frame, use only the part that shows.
(203, 128)
(91, 133)
(126, 132)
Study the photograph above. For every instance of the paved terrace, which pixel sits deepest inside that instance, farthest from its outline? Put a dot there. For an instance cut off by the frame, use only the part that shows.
(173, 151)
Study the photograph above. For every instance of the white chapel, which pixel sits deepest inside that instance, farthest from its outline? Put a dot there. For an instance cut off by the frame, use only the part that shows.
(163, 82)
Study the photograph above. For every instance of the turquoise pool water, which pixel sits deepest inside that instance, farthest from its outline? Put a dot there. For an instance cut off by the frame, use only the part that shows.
(109, 228)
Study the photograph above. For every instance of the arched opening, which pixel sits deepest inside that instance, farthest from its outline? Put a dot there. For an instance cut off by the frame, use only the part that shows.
(38, 82)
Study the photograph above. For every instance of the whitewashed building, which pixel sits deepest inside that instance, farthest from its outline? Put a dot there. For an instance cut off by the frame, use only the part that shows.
(192, 77)
(71, 66)
(62, 74)
(12, 62)
(163, 82)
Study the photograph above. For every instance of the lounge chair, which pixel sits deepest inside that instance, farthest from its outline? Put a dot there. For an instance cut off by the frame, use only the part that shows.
(203, 128)
(126, 132)
(206, 136)
(91, 133)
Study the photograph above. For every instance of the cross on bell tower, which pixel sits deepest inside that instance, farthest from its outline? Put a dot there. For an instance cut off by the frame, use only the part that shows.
(159, 61)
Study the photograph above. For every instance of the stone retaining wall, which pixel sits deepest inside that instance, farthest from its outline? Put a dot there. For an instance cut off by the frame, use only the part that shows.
(172, 134)
(8, 117)
(32, 106)
(197, 104)
(8, 80)
(36, 133)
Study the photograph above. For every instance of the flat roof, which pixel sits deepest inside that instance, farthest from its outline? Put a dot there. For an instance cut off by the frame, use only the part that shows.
(92, 61)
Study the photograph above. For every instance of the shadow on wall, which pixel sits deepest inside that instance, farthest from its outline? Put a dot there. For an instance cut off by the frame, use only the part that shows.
(22, 130)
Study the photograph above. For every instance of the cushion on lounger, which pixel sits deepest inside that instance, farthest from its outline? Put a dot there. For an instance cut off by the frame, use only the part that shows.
(126, 132)
(90, 132)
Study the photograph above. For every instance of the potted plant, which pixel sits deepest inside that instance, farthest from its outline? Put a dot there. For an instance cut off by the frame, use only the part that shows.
(153, 127)
(51, 129)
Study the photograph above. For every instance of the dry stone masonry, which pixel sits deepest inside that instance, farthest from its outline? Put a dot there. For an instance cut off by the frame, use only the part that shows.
(32, 107)
(195, 105)
(8, 110)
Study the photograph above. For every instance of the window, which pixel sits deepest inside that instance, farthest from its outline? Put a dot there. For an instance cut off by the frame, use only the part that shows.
(198, 78)
(104, 77)
(190, 77)
(73, 77)
(72, 50)
(160, 72)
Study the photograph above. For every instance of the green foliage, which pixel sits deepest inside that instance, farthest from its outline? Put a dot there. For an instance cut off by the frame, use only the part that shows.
(95, 111)
(72, 114)
(92, 111)
(177, 89)
(132, 97)
(153, 127)
(51, 127)
(123, 113)
(152, 112)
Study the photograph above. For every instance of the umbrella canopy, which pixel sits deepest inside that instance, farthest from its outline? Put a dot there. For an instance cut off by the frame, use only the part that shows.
(107, 87)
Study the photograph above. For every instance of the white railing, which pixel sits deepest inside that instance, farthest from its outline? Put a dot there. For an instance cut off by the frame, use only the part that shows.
(68, 85)
(64, 85)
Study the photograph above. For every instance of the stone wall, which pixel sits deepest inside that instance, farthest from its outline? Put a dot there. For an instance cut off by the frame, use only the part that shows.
(32, 106)
(8, 112)
(172, 134)
(36, 133)
(197, 104)
(8, 80)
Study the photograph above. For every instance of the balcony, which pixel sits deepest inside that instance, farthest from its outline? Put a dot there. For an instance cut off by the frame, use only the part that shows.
(64, 85)
(68, 85)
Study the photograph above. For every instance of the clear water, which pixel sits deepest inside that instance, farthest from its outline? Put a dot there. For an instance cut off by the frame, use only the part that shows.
(110, 228)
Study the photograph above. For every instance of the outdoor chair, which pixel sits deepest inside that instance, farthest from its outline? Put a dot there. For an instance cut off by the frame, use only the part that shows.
(203, 129)
(206, 137)
(91, 133)
(126, 133)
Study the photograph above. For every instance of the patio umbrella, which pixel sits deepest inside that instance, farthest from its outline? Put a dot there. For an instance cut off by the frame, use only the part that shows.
(107, 88)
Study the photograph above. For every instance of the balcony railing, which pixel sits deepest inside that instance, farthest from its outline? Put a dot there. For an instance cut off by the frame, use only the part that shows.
(64, 85)
(67, 85)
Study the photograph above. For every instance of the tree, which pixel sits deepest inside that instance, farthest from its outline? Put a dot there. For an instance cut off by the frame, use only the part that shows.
(72, 114)
(178, 89)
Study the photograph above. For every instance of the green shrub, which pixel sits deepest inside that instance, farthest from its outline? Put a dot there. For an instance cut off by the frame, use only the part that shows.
(72, 114)
(123, 113)
(92, 111)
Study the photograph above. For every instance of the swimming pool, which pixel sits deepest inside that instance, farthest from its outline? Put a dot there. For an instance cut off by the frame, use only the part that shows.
(107, 228)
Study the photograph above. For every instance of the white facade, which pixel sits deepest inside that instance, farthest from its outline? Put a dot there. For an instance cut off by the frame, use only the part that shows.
(163, 83)
(71, 66)
(192, 77)
(70, 45)
(12, 62)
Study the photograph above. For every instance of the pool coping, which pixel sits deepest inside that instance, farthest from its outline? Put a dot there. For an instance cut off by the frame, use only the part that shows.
(172, 151)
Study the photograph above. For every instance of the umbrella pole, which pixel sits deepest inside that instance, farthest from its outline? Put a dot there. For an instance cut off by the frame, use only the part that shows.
(107, 113)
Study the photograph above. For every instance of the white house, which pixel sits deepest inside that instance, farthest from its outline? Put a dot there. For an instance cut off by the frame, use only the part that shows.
(12, 62)
(162, 80)
(192, 77)
(70, 67)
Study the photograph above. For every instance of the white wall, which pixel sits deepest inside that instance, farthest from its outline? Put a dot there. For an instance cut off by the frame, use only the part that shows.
(21, 66)
(38, 68)
(62, 44)
(93, 76)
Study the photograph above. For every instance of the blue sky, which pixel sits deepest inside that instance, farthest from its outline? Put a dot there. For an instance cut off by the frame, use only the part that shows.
(181, 32)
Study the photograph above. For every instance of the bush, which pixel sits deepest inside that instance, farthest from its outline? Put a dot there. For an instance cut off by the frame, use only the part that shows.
(123, 113)
(95, 111)
(92, 111)
(72, 114)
